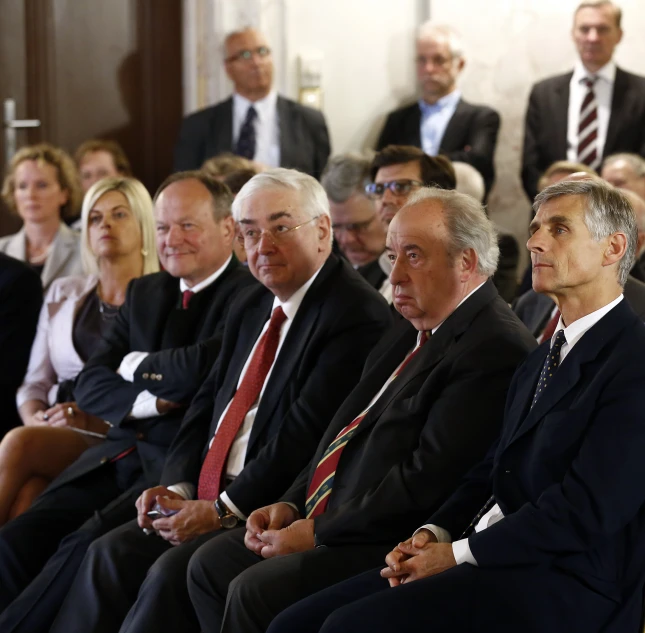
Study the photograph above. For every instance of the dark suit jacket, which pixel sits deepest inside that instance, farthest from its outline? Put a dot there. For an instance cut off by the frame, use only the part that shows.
(151, 320)
(21, 295)
(471, 135)
(432, 423)
(567, 476)
(304, 139)
(337, 324)
(545, 132)
(534, 309)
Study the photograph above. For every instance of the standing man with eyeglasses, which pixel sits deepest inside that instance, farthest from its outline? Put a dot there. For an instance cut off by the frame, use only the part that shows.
(255, 122)
(293, 349)
(596, 110)
(441, 122)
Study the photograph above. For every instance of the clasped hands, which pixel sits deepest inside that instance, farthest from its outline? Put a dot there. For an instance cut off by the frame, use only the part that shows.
(191, 518)
(418, 557)
(276, 530)
(68, 414)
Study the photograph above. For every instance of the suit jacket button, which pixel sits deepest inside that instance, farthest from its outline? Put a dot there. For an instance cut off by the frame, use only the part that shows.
(159, 376)
(507, 472)
(140, 436)
(153, 376)
(145, 376)
(104, 460)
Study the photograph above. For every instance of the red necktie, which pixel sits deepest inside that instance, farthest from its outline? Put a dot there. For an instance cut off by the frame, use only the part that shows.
(547, 333)
(247, 394)
(323, 480)
(185, 298)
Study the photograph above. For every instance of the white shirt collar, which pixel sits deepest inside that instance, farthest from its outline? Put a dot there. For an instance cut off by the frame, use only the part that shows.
(291, 305)
(607, 72)
(264, 107)
(183, 286)
(573, 333)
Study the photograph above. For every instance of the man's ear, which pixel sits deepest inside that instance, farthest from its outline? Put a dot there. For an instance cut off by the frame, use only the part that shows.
(615, 249)
(467, 263)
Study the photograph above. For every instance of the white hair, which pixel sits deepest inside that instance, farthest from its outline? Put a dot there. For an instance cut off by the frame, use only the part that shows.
(469, 181)
(430, 30)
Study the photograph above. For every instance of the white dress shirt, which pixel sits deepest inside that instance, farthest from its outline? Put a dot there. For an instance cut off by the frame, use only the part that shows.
(145, 405)
(604, 89)
(237, 454)
(434, 121)
(267, 127)
(573, 333)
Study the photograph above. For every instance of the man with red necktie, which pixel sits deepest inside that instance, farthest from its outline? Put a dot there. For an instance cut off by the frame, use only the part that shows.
(293, 347)
(427, 408)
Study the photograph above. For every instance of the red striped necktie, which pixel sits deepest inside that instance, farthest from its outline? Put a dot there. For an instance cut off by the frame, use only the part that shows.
(323, 480)
(588, 126)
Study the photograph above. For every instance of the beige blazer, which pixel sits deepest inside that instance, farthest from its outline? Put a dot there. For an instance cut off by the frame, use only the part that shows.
(53, 356)
(64, 258)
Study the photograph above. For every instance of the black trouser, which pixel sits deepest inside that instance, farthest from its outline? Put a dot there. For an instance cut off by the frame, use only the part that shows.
(131, 581)
(41, 550)
(259, 589)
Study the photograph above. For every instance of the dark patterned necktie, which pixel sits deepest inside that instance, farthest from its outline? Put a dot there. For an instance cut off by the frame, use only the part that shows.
(588, 126)
(246, 141)
(551, 363)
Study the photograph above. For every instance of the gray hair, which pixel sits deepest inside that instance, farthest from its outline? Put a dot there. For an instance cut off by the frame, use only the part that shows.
(606, 211)
(597, 4)
(467, 223)
(345, 175)
(469, 181)
(636, 162)
(430, 30)
(312, 195)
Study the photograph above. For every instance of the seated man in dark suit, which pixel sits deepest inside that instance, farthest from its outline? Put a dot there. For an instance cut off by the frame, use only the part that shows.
(594, 111)
(294, 347)
(556, 542)
(138, 379)
(255, 122)
(441, 122)
(426, 410)
(359, 233)
(21, 295)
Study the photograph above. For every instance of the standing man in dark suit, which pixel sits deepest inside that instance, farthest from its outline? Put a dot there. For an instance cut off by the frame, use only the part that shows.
(596, 110)
(21, 295)
(558, 545)
(400, 442)
(441, 122)
(255, 122)
(249, 431)
(139, 379)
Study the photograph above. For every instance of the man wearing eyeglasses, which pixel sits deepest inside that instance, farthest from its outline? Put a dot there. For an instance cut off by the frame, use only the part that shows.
(441, 122)
(255, 122)
(292, 350)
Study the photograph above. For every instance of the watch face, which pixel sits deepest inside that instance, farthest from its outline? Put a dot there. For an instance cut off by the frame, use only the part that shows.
(229, 521)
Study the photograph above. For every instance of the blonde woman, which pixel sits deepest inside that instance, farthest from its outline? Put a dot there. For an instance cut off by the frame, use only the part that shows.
(42, 187)
(117, 245)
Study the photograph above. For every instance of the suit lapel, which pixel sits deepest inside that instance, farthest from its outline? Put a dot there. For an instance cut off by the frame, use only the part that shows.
(17, 246)
(560, 121)
(62, 249)
(619, 105)
(413, 126)
(220, 139)
(454, 129)
(288, 138)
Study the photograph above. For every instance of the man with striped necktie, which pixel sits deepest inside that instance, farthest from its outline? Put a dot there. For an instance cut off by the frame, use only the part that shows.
(427, 408)
(592, 112)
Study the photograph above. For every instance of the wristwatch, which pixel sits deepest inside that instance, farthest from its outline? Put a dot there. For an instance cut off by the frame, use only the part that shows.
(227, 519)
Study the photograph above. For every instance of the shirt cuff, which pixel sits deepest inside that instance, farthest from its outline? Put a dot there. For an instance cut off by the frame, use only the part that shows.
(232, 507)
(145, 406)
(461, 552)
(443, 536)
(129, 365)
(185, 489)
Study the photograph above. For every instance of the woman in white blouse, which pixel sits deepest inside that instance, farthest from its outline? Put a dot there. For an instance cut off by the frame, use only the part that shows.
(117, 245)
(43, 188)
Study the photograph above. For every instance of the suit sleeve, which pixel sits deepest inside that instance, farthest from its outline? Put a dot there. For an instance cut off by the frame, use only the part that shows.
(598, 496)
(99, 389)
(266, 477)
(457, 434)
(388, 133)
(20, 303)
(531, 161)
(482, 141)
(189, 150)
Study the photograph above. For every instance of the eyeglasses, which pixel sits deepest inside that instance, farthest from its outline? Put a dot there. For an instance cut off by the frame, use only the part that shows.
(353, 227)
(250, 237)
(246, 55)
(397, 187)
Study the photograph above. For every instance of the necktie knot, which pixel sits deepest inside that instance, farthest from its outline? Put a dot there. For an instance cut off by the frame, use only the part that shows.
(589, 82)
(278, 317)
(252, 113)
(186, 296)
(551, 363)
(246, 141)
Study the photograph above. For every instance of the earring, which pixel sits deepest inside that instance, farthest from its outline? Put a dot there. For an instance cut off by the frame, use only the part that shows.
(144, 252)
